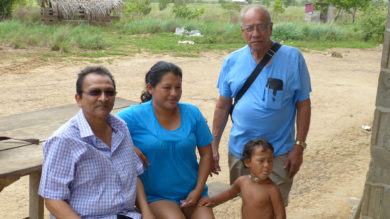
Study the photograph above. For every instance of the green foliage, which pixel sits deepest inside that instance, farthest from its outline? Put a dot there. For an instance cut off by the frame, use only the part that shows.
(313, 32)
(62, 38)
(266, 3)
(289, 3)
(231, 9)
(137, 8)
(27, 15)
(373, 22)
(151, 26)
(350, 6)
(183, 11)
(163, 4)
(287, 31)
(155, 33)
(6, 7)
(180, 2)
(277, 8)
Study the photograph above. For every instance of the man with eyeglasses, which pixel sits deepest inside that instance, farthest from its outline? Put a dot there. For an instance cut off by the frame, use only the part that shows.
(276, 101)
(90, 169)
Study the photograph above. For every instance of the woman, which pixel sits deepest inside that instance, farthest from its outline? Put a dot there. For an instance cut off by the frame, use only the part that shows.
(168, 132)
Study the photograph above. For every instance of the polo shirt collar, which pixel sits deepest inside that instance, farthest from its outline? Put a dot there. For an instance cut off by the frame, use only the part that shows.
(86, 130)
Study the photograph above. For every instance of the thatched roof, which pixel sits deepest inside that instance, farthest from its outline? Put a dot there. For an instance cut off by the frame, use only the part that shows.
(93, 9)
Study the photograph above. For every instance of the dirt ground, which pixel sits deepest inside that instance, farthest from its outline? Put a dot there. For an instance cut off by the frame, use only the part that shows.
(335, 161)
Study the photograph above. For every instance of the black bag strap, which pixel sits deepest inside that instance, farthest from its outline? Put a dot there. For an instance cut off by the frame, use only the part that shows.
(268, 55)
(29, 140)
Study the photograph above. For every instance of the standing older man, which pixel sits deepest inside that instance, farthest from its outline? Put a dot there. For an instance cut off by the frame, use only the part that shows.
(90, 169)
(279, 96)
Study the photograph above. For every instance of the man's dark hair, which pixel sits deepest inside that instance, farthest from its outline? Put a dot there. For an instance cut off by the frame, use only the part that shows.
(92, 69)
(260, 142)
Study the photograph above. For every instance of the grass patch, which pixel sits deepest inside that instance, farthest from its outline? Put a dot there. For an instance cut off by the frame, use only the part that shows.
(154, 34)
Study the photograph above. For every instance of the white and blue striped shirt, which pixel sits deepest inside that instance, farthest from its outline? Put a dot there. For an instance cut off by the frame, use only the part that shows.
(95, 180)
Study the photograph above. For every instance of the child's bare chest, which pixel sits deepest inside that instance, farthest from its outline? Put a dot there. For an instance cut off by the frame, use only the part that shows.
(256, 202)
(258, 197)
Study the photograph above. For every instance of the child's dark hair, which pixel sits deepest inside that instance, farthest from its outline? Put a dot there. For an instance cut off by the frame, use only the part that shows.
(260, 142)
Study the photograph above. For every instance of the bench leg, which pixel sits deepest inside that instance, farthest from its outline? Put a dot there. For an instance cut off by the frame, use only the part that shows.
(4, 182)
(36, 201)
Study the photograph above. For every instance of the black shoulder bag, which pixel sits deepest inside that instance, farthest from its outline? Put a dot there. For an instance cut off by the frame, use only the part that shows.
(271, 52)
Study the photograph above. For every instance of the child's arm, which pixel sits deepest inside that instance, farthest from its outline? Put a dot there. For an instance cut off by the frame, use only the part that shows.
(222, 197)
(277, 203)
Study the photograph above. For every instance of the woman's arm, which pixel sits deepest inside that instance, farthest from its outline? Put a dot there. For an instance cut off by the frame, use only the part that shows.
(141, 200)
(203, 173)
(60, 209)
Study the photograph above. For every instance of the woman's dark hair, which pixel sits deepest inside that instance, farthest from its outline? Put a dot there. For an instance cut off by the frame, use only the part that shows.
(154, 75)
(260, 142)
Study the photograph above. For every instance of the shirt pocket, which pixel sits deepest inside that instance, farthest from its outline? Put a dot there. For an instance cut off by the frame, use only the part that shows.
(273, 94)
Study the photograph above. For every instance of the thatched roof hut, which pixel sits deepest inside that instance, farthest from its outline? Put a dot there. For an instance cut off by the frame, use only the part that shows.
(91, 9)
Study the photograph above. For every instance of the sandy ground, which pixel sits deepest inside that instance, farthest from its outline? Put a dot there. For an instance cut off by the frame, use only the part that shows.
(335, 162)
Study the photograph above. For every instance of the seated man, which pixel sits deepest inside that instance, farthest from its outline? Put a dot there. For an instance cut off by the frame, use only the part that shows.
(90, 169)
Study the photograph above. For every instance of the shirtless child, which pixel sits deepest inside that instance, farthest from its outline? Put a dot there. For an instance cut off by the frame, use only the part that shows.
(261, 197)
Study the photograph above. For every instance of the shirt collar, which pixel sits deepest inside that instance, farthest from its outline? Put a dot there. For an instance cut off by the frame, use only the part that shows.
(85, 128)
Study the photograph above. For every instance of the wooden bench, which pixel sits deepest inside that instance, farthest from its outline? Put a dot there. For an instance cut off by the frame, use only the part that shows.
(18, 158)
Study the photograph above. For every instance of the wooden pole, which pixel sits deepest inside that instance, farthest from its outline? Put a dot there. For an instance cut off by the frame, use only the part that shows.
(36, 201)
(376, 197)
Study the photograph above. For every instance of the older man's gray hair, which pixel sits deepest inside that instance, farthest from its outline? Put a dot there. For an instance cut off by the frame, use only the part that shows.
(243, 12)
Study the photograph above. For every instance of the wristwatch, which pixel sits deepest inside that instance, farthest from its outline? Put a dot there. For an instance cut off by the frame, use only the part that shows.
(301, 143)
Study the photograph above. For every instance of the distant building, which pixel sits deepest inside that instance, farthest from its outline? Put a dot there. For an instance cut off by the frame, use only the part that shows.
(324, 12)
(241, 1)
(57, 11)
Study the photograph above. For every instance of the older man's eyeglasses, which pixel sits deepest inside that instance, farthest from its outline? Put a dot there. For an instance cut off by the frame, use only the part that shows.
(258, 27)
(98, 92)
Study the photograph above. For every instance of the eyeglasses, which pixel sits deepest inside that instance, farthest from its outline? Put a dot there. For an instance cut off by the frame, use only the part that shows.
(98, 92)
(259, 27)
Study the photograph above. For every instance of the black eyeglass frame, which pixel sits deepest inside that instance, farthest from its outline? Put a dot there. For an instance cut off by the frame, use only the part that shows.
(259, 27)
(98, 92)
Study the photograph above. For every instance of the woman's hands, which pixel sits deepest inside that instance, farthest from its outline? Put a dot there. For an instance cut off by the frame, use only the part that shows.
(192, 199)
(141, 156)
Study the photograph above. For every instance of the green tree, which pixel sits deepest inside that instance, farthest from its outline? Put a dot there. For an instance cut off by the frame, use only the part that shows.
(137, 8)
(373, 21)
(231, 9)
(163, 4)
(277, 8)
(350, 6)
(266, 3)
(7, 7)
(180, 2)
(184, 11)
(289, 3)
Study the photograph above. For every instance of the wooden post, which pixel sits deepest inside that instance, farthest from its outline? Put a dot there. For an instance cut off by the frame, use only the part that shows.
(376, 196)
(36, 201)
